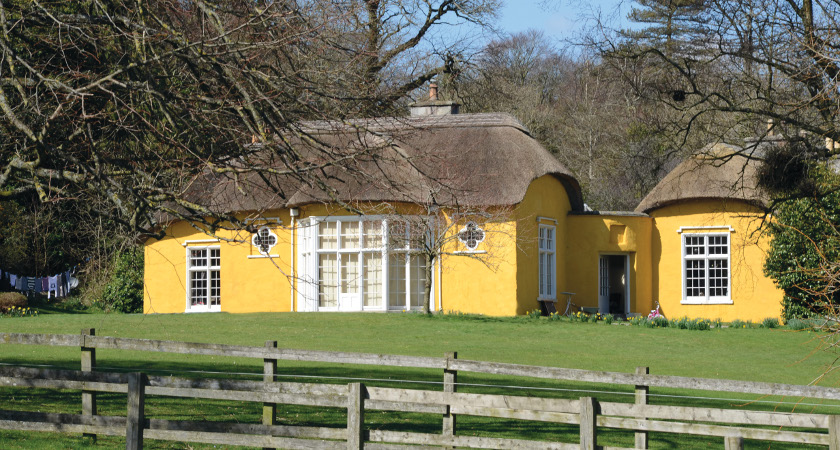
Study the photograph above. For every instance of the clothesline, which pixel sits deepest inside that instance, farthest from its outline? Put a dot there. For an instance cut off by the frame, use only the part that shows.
(58, 285)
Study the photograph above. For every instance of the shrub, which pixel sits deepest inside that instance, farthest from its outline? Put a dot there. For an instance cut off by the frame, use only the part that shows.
(700, 324)
(681, 323)
(801, 324)
(770, 322)
(124, 291)
(717, 323)
(638, 321)
(534, 314)
(608, 319)
(737, 323)
(10, 299)
(594, 317)
(657, 322)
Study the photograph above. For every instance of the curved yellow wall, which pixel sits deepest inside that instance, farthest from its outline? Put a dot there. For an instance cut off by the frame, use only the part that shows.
(484, 283)
(754, 297)
(545, 198)
(593, 235)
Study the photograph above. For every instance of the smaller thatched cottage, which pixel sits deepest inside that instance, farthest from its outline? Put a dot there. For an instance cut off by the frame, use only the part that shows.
(514, 232)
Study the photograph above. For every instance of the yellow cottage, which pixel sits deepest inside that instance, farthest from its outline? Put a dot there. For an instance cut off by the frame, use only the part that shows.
(512, 232)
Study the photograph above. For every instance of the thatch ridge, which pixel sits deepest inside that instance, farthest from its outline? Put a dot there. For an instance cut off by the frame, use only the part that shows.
(716, 172)
(461, 159)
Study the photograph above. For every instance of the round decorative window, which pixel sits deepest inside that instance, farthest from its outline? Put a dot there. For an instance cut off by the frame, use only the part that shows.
(471, 235)
(264, 240)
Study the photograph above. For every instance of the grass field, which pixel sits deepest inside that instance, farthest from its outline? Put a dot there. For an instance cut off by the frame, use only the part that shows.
(771, 355)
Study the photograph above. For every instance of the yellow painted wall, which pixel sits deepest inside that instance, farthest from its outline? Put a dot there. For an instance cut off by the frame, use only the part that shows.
(590, 236)
(545, 198)
(754, 297)
(502, 282)
(486, 285)
(247, 284)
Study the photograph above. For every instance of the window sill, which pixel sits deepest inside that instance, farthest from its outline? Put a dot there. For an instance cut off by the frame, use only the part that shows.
(706, 302)
(262, 256)
(470, 252)
(199, 311)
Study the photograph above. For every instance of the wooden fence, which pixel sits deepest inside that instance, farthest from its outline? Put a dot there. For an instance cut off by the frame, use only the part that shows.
(586, 412)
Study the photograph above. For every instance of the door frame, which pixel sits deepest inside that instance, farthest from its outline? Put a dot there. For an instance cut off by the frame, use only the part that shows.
(627, 290)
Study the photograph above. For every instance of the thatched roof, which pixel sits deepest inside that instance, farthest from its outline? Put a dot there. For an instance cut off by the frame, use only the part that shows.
(718, 171)
(463, 159)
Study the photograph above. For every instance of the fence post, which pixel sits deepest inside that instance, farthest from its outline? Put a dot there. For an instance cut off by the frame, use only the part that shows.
(642, 399)
(269, 376)
(588, 419)
(356, 393)
(834, 432)
(733, 443)
(450, 382)
(88, 365)
(135, 417)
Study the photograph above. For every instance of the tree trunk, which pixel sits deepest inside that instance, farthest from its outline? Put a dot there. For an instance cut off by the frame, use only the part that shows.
(427, 285)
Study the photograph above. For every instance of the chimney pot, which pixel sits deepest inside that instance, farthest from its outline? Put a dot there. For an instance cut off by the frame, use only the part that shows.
(433, 91)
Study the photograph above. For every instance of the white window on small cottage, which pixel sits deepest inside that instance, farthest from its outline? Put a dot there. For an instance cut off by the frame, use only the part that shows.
(548, 262)
(264, 240)
(471, 235)
(204, 274)
(706, 268)
(359, 263)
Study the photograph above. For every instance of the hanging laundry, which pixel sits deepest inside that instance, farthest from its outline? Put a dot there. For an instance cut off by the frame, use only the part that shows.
(52, 286)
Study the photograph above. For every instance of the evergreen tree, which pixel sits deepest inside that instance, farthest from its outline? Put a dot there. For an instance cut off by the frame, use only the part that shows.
(674, 27)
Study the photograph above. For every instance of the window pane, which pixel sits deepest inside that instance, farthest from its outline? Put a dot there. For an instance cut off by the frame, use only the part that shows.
(695, 278)
(198, 257)
(718, 245)
(418, 280)
(373, 279)
(198, 288)
(328, 277)
(549, 274)
(396, 280)
(397, 234)
(327, 238)
(372, 234)
(695, 245)
(350, 235)
(718, 278)
(215, 288)
(215, 258)
(350, 273)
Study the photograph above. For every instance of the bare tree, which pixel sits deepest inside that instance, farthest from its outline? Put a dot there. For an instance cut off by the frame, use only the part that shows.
(748, 62)
(139, 102)
(434, 233)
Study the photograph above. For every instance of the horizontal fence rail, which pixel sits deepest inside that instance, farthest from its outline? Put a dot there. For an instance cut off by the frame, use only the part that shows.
(587, 413)
(460, 365)
(357, 398)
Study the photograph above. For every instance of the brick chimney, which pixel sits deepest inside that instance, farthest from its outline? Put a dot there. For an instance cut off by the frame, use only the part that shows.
(433, 106)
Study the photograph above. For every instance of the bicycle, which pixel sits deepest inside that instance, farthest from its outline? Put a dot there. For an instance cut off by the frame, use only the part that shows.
(569, 304)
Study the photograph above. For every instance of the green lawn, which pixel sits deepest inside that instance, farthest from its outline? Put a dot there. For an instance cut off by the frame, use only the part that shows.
(772, 355)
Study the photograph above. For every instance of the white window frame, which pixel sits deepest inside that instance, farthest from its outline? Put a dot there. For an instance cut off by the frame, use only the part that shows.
(547, 278)
(264, 231)
(209, 270)
(309, 251)
(706, 299)
(474, 234)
